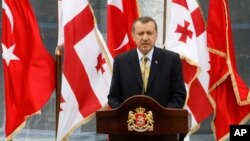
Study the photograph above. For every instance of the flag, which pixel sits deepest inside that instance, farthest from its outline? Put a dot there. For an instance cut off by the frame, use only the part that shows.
(186, 35)
(229, 93)
(60, 40)
(120, 15)
(29, 70)
(86, 73)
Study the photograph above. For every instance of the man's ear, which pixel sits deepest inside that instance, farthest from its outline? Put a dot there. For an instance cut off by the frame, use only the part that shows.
(133, 36)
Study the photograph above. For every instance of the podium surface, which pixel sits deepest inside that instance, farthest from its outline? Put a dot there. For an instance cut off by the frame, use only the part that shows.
(142, 118)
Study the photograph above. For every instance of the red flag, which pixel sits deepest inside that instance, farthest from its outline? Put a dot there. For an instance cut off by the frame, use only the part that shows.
(86, 73)
(186, 35)
(29, 70)
(229, 93)
(120, 15)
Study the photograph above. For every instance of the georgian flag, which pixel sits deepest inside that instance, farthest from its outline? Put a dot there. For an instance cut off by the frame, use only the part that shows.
(186, 35)
(86, 71)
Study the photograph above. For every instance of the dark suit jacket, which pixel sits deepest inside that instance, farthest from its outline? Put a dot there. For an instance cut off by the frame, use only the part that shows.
(165, 83)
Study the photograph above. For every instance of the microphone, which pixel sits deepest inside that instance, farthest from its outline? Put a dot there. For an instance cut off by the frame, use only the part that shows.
(145, 60)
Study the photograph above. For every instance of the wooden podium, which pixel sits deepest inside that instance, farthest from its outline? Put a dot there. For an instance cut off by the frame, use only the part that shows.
(141, 118)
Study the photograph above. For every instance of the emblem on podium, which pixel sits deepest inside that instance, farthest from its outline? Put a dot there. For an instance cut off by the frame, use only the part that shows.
(140, 120)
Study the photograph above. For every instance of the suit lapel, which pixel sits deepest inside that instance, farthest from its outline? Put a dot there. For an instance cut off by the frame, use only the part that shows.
(134, 62)
(155, 66)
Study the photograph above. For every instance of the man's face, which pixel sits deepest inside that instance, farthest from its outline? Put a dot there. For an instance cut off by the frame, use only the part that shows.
(144, 36)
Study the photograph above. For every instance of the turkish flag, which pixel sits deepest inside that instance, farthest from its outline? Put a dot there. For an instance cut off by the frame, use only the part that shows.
(86, 70)
(230, 95)
(120, 15)
(29, 70)
(186, 35)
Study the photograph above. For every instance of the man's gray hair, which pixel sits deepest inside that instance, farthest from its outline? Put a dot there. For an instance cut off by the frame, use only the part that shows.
(144, 20)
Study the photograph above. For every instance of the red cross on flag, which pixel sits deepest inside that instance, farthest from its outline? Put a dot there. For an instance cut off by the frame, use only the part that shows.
(186, 35)
(86, 69)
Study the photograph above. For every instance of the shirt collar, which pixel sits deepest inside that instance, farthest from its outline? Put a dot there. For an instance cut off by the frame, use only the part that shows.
(149, 55)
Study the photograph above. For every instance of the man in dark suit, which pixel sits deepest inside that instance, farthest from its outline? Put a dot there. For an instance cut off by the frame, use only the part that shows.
(165, 82)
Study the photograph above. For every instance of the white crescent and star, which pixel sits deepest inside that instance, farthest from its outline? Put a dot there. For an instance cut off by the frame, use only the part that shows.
(7, 53)
(118, 4)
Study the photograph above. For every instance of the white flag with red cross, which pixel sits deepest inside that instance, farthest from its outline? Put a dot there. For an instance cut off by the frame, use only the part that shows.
(86, 71)
(186, 35)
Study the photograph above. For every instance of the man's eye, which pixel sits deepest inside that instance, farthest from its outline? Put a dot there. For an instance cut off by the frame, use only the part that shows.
(140, 34)
(149, 33)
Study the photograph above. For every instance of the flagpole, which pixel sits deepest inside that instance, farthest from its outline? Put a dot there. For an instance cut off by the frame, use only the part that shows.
(164, 22)
(59, 54)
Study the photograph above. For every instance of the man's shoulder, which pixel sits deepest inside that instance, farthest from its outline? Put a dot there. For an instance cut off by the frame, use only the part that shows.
(166, 52)
(126, 54)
